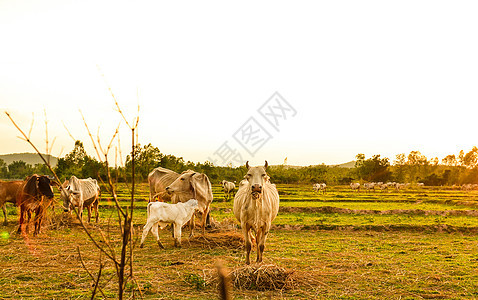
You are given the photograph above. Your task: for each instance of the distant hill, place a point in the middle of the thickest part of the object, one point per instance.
(29, 158)
(350, 164)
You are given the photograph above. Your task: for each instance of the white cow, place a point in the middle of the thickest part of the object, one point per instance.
(162, 214)
(256, 205)
(320, 187)
(382, 186)
(401, 186)
(355, 186)
(228, 188)
(81, 193)
(369, 186)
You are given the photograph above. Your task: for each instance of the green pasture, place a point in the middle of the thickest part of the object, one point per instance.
(411, 244)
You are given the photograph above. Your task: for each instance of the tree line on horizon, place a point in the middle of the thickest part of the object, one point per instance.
(414, 167)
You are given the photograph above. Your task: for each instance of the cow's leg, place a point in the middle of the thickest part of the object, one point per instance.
(38, 220)
(177, 235)
(154, 230)
(208, 218)
(205, 218)
(22, 219)
(80, 212)
(261, 241)
(29, 217)
(4, 208)
(191, 225)
(96, 210)
(88, 208)
(146, 229)
(246, 230)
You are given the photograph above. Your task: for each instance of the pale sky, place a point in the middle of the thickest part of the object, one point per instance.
(373, 77)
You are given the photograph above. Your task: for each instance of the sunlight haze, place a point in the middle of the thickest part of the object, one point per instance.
(368, 77)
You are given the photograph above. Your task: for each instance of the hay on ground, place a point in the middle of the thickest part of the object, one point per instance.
(61, 220)
(223, 226)
(262, 278)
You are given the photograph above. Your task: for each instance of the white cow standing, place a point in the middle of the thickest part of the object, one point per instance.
(256, 205)
(355, 186)
(81, 193)
(369, 186)
(228, 188)
(320, 187)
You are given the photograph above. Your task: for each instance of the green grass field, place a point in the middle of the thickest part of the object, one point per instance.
(412, 244)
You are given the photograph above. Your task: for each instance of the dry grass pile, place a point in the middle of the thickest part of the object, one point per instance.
(225, 225)
(61, 220)
(229, 240)
(263, 278)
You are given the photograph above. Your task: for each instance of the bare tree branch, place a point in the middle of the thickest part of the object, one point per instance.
(31, 126)
(89, 273)
(69, 133)
(27, 139)
(46, 136)
(97, 280)
(91, 136)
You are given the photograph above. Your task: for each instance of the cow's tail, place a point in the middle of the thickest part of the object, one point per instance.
(148, 209)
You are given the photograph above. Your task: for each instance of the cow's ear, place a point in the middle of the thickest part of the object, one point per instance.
(265, 166)
(247, 165)
(193, 186)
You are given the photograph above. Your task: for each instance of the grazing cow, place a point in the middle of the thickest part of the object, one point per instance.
(400, 186)
(355, 186)
(382, 186)
(369, 186)
(163, 214)
(228, 188)
(192, 185)
(320, 187)
(158, 180)
(35, 195)
(256, 205)
(81, 193)
(8, 193)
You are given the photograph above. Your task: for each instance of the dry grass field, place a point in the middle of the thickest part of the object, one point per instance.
(412, 244)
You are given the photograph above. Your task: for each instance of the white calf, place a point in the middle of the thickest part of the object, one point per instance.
(163, 214)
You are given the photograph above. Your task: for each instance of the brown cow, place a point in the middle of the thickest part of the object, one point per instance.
(8, 193)
(35, 196)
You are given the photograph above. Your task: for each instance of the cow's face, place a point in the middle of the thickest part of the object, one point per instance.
(67, 195)
(44, 186)
(256, 177)
(183, 184)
